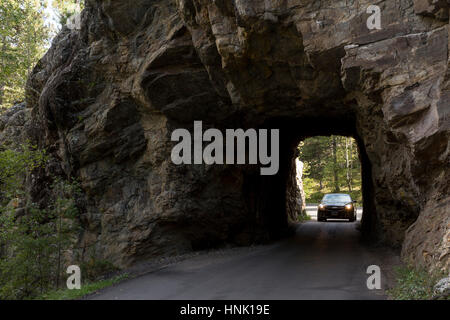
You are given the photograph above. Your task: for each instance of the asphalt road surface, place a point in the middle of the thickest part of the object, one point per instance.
(322, 261)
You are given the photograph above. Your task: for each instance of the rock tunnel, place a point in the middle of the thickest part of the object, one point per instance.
(277, 196)
(107, 96)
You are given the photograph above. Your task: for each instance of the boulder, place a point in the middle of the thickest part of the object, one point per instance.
(442, 288)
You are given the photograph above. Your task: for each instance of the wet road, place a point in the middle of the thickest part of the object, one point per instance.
(322, 261)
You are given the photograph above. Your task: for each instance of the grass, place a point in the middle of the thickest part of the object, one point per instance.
(413, 284)
(303, 217)
(88, 288)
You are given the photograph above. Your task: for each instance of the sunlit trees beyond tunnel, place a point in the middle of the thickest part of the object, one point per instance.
(331, 164)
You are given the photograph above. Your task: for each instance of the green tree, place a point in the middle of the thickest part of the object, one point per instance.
(314, 152)
(25, 34)
(334, 151)
(331, 164)
(349, 159)
(23, 37)
(33, 239)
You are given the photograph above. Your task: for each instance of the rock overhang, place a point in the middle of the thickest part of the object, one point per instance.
(107, 97)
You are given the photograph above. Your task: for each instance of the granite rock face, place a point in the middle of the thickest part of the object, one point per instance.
(105, 100)
(14, 124)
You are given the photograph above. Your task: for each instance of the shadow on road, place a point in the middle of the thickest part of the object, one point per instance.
(321, 261)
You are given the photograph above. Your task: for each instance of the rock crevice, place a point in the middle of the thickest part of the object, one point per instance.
(105, 100)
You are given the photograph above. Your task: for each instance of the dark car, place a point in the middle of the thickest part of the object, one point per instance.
(337, 206)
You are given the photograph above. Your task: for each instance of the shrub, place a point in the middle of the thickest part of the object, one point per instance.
(413, 284)
(97, 269)
(33, 240)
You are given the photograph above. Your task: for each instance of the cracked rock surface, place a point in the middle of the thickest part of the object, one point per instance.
(105, 99)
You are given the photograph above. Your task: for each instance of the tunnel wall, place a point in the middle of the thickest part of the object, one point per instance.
(106, 98)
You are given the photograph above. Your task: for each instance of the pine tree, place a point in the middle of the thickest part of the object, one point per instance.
(330, 165)
(25, 34)
(23, 37)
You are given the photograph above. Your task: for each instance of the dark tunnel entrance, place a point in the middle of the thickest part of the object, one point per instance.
(276, 198)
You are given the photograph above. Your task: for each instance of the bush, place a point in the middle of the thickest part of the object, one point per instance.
(303, 217)
(97, 269)
(34, 241)
(413, 284)
(14, 167)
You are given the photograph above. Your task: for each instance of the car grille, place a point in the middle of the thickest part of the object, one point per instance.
(334, 210)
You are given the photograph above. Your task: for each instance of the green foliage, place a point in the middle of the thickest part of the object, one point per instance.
(94, 269)
(14, 165)
(303, 217)
(86, 289)
(34, 245)
(33, 240)
(23, 38)
(314, 153)
(25, 34)
(331, 164)
(413, 284)
(37, 241)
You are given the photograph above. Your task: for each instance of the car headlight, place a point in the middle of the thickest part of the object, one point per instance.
(348, 206)
(321, 206)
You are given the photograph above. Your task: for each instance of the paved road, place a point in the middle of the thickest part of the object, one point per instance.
(323, 261)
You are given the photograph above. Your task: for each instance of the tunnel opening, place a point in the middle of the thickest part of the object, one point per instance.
(277, 197)
(252, 208)
(328, 165)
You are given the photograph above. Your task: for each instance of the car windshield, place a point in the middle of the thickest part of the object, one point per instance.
(337, 198)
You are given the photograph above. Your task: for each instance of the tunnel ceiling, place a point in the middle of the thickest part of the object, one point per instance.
(106, 98)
